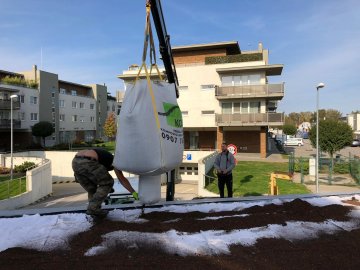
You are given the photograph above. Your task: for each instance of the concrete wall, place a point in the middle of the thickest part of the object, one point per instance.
(205, 165)
(100, 94)
(38, 185)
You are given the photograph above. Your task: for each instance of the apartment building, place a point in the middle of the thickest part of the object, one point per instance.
(225, 95)
(353, 119)
(77, 112)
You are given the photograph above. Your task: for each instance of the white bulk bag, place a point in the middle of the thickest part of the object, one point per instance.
(149, 138)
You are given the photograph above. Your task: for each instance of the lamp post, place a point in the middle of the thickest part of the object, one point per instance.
(320, 85)
(11, 134)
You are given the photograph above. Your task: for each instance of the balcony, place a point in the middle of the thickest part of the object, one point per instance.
(273, 91)
(5, 104)
(6, 124)
(250, 119)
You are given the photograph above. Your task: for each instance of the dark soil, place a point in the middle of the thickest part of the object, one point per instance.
(339, 251)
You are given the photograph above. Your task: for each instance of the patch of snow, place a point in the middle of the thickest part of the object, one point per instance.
(41, 232)
(324, 201)
(218, 242)
(220, 217)
(129, 216)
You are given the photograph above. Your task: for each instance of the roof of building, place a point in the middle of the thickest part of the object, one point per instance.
(11, 73)
(231, 46)
(72, 83)
(270, 70)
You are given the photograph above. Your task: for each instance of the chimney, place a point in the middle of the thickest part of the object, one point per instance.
(35, 72)
(260, 47)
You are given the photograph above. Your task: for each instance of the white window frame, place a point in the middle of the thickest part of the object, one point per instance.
(33, 100)
(22, 116)
(74, 103)
(61, 117)
(74, 93)
(81, 105)
(62, 91)
(61, 103)
(92, 106)
(33, 116)
(74, 118)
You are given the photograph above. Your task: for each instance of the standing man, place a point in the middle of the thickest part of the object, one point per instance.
(224, 164)
(91, 170)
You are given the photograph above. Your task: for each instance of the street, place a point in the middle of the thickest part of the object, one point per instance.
(307, 150)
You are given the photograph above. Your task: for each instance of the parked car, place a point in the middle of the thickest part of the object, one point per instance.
(294, 142)
(355, 143)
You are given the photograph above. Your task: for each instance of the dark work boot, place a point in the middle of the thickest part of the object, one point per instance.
(99, 213)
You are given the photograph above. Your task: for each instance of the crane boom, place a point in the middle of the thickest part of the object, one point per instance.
(164, 43)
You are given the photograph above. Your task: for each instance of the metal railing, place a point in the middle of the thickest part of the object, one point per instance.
(5, 104)
(6, 123)
(246, 91)
(250, 119)
(207, 180)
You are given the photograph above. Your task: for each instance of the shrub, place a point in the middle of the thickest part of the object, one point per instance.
(210, 60)
(305, 166)
(24, 167)
(98, 141)
(341, 168)
(19, 81)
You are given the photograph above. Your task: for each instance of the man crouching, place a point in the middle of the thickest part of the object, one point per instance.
(91, 170)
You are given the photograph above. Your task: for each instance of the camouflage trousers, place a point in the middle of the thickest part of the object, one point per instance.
(95, 179)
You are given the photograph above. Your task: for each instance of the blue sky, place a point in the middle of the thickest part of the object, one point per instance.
(92, 41)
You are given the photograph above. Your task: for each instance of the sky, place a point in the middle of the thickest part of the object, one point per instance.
(92, 41)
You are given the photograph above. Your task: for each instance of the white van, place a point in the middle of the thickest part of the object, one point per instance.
(294, 142)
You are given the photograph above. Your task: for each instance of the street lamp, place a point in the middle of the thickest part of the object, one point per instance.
(320, 85)
(11, 134)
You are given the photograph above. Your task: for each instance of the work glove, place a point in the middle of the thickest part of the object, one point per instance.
(135, 195)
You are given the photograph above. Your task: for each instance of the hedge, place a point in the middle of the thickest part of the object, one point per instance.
(211, 60)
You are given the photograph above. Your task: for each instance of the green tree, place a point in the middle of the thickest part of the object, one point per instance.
(289, 129)
(110, 126)
(329, 114)
(333, 136)
(42, 129)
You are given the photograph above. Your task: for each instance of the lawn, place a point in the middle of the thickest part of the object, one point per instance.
(109, 146)
(252, 179)
(13, 186)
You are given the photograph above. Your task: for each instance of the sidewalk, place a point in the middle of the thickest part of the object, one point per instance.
(340, 183)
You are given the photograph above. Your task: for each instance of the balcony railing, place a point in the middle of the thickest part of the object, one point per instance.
(250, 119)
(6, 123)
(5, 104)
(250, 91)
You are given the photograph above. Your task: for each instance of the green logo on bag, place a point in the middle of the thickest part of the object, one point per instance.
(173, 115)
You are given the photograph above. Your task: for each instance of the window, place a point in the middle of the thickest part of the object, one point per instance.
(33, 100)
(62, 91)
(227, 108)
(183, 87)
(185, 113)
(33, 116)
(207, 87)
(73, 93)
(244, 107)
(81, 105)
(22, 115)
(254, 79)
(240, 80)
(61, 103)
(22, 98)
(62, 117)
(255, 107)
(207, 112)
(52, 94)
(226, 80)
(92, 118)
(73, 104)
(92, 106)
(236, 107)
(108, 108)
(74, 118)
